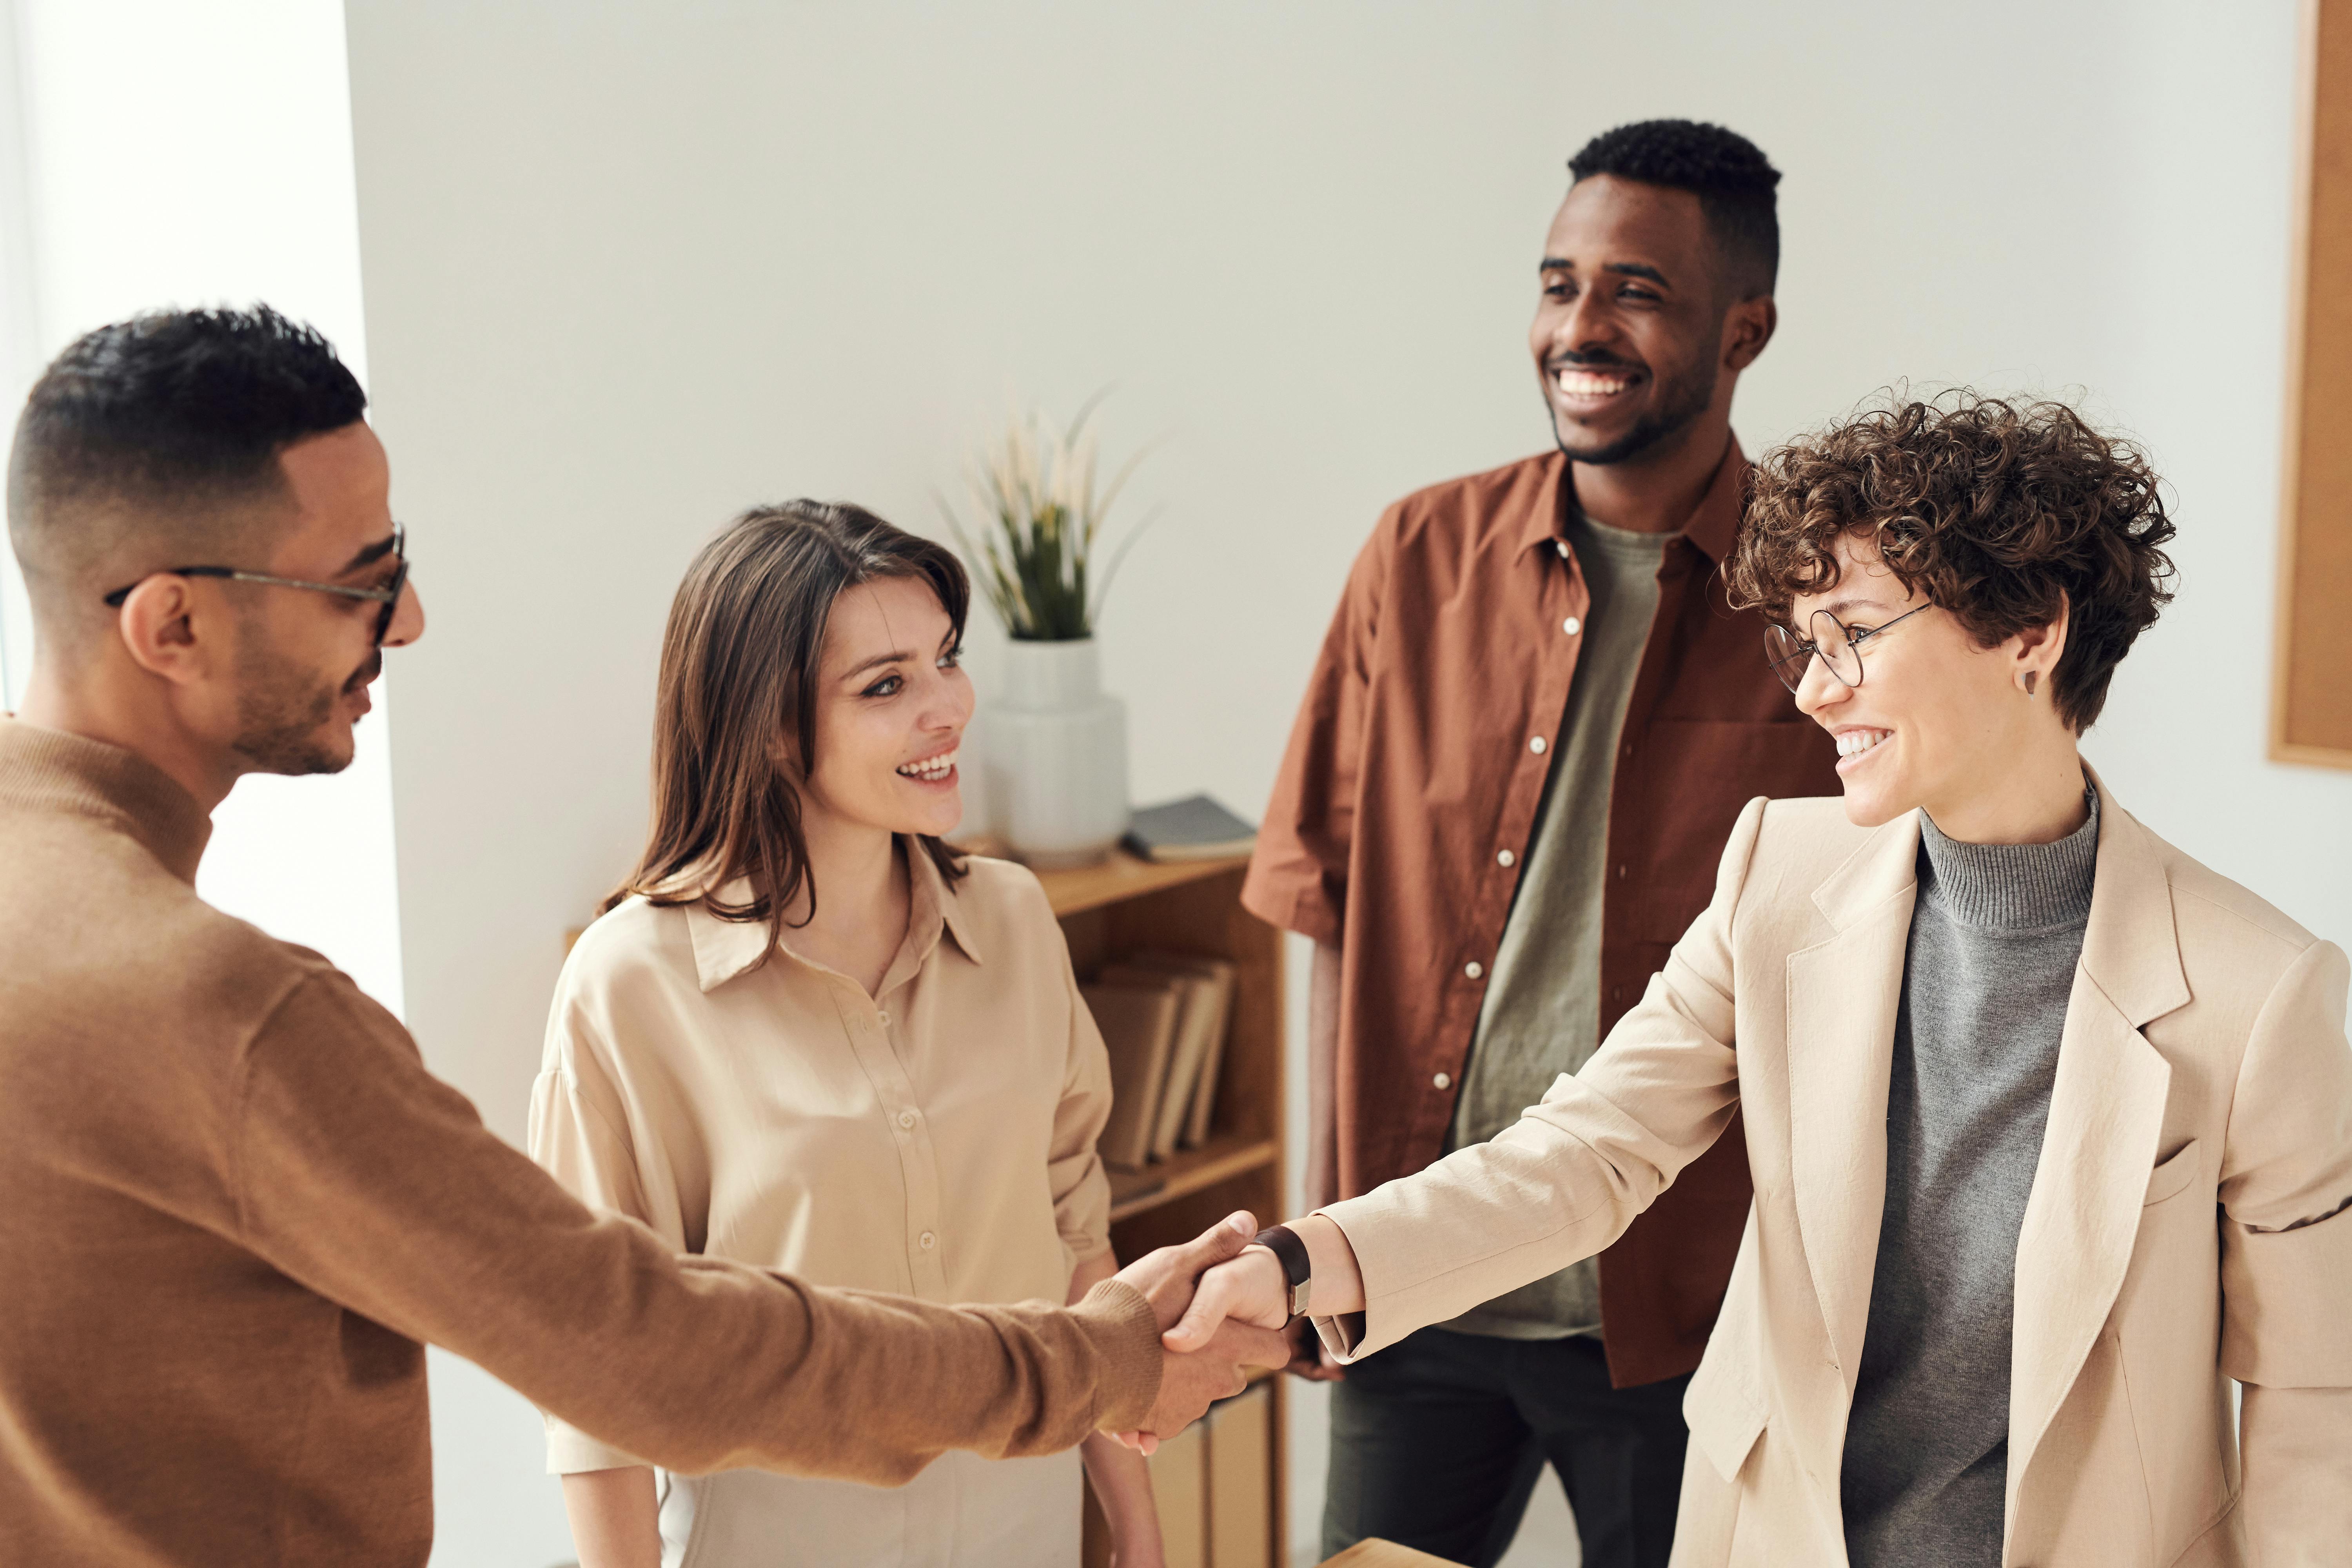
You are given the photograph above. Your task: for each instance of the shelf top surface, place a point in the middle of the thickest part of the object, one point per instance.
(1124, 876)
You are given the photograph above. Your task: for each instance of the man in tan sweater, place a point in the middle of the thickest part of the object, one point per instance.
(233, 1206)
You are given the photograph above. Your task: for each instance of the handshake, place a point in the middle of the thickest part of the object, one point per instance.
(1222, 1306)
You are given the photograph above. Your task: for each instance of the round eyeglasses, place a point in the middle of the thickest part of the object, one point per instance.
(1838, 646)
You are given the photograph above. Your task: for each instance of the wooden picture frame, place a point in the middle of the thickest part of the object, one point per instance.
(2311, 685)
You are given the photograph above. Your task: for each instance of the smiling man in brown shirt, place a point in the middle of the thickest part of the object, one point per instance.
(1531, 727)
(233, 1204)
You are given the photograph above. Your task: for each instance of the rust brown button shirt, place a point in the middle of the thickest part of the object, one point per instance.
(1418, 760)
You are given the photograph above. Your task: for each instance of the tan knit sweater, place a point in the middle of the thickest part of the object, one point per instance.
(233, 1206)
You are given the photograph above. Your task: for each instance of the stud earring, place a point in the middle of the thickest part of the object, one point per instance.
(2030, 677)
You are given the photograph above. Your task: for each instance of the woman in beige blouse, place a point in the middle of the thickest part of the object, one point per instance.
(806, 1035)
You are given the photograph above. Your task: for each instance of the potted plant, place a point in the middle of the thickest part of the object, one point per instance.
(1056, 761)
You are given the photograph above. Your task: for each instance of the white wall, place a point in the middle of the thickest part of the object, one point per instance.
(632, 266)
(170, 154)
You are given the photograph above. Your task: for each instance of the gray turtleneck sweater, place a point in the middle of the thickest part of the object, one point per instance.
(1995, 935)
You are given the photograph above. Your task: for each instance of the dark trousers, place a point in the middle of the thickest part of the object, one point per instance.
(1437, 1443)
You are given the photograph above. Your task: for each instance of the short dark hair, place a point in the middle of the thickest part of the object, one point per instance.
(2001, 512)
(1729, 174)
(160, 423)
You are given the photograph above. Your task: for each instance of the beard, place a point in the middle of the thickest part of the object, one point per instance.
(1680, 402)
(285, 715)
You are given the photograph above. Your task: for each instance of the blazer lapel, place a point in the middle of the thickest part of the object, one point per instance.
(2106, 1115)
(1843, 998)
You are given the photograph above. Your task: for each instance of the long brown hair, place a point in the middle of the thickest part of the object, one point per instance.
(738, 669)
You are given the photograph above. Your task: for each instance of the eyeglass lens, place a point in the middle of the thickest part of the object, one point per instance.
(1831, 641)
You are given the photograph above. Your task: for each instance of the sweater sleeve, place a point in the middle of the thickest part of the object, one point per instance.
(364, 1178)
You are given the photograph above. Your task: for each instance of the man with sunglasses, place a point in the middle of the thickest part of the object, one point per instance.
(233, 1206)
(1533, 723)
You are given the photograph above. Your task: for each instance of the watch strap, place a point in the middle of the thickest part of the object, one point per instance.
(1291, 1252)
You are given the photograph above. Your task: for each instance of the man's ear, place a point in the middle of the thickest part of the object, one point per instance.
(1747, 326)
(168, 633)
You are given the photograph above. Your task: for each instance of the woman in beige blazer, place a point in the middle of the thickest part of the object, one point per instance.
(2050, 1127)
(805, 1036)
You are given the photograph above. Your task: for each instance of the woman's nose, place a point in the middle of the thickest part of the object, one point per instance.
(1817, 689)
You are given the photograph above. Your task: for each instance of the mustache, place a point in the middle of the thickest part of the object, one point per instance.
(365, 673)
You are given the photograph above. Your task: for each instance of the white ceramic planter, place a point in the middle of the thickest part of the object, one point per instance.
(1056, 756)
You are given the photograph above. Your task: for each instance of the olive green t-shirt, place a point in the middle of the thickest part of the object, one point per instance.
(1541, 1015)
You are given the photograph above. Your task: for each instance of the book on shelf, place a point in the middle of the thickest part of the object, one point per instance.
(1201, 1046)
(1137, 1022)
(1194, 828)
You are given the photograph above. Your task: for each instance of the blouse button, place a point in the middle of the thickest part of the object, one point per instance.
(1474, 969)
(907, 1119)
(1536, 744)
(1505, 858)
(1571, 625)
(1560, 545)
(1443, 1080)
(928, 1241)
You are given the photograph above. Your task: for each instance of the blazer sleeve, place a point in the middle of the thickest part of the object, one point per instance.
(2286, 1264)
(1571, 1174)
(1298, 873)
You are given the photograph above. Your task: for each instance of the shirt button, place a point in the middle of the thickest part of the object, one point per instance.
(907, 1119)
(927, 1241)
(1504, 858)
(1560, 545)
(1444, 1080)
(1474, 969)
(885, 1019)
(1535, 743)
(1571, 625)
(1621, 872)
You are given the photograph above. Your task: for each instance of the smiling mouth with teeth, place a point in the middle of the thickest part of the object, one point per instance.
(930, 770)
(1574, 381)
(1853, 742)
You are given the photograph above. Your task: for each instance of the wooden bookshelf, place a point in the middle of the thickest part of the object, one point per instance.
(1125, 906)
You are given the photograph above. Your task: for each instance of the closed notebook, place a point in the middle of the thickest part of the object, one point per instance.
(1194, 828)
(1215, 1022)
(1139, 1030)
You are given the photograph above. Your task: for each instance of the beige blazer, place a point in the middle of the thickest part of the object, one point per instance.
(2183, 1229)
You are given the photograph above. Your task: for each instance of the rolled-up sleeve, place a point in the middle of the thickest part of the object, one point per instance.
(1298, 873)
(581, 1148)
(1074, 1170)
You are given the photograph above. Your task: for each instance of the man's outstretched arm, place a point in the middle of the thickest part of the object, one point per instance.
(375, 1185)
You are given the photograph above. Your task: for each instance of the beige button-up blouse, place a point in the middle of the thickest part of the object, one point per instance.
(936, 1140)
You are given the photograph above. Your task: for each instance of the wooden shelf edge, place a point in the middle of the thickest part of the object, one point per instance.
(1138, 1192)
(1122, 876)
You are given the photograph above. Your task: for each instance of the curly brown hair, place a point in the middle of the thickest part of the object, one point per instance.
(2001, 512)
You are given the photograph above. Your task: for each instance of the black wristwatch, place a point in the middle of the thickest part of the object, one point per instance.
(1284, 1243)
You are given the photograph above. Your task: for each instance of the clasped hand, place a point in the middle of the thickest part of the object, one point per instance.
(1219, 1310)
